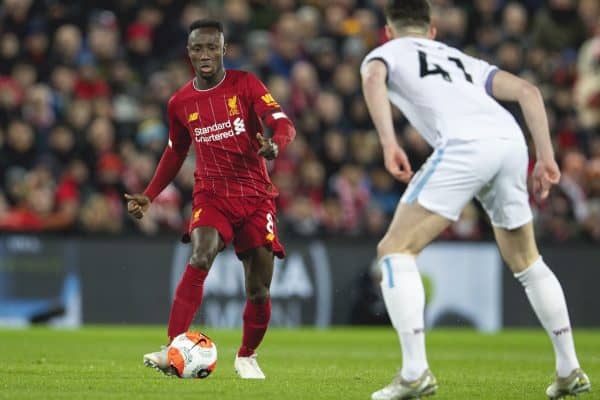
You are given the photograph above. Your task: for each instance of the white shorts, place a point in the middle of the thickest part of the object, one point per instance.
(493, 170)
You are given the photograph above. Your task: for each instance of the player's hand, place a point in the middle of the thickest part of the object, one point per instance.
(545, 174)
(268, 148)
(137, 204)
(397, 164)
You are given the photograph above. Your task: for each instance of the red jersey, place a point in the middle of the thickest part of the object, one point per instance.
(222, 123)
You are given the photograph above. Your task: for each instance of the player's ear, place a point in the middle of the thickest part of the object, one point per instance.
(225, 49)
(389, 34)
(431, 32)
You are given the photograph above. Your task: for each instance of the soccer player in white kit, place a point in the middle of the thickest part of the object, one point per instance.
(480, 151)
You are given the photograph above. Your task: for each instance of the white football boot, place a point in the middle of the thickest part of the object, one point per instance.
(401, 389)
(247, 367)
(577, 382)
(159, 361)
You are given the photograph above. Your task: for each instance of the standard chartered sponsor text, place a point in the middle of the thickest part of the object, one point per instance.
(215, 137)
(218, 127)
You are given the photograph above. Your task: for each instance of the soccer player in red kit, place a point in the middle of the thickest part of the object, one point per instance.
(221, 112)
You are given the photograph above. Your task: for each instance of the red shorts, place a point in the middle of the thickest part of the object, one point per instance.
(247, 221)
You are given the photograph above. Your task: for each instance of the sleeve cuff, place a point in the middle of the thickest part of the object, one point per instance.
(387, 66)
(489, 80)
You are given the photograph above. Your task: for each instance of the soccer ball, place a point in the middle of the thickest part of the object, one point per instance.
(192, 355)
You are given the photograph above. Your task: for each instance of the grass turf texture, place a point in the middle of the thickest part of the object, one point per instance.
(344, 363)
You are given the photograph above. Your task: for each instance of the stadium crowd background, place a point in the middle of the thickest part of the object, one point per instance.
(84, 85)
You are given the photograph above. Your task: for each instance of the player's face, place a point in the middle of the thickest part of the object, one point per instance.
(205, 49)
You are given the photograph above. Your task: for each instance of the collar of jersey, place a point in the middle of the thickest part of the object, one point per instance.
(207, 90)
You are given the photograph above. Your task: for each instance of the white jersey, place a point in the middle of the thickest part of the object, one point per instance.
(444, 93)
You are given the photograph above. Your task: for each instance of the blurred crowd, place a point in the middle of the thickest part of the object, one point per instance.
(84, 86)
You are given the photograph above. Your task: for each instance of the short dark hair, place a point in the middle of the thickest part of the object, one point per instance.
(206, 23)
(408, 12)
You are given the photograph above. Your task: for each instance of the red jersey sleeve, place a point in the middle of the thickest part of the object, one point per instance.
(179, 139)
(269, 111)
(173, 156)
(262, 100)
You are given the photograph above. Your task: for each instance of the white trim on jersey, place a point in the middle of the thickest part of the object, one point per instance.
(209, 89)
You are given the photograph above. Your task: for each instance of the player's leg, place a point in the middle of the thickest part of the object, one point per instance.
(506, 201)
(258, 270)
(519, 250)
(256, 243)
(412, 228)
(210, 231)
(435, 197)
(545, 294)
(206, 242)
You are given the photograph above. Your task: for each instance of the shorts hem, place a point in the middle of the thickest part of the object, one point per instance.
(512, 226)
(431, 207)
(226, 242)
(278, 253)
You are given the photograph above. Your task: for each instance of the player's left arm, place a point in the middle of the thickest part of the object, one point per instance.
(508, 87)
(374, 75)
(267, 108)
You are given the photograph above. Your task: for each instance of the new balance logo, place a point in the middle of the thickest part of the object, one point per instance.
(561, 331)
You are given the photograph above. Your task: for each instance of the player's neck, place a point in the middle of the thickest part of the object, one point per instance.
(209, 83)
(411, 33)
(415, 31)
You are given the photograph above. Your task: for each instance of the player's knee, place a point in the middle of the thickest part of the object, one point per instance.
(519, 262)
(201, 260)
(382, 248)
(388, 246)
(258, 294)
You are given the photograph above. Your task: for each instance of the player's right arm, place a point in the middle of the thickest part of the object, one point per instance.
(168, 166)
(374, 75)
(269, 111)
(508, 87)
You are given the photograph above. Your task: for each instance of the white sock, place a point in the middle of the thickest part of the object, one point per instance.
(405, 302)
(548, 301)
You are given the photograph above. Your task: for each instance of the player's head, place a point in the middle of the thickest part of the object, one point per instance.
(409, 17)
(206, 47)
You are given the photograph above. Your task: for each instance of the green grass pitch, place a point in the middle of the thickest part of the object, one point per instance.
(344, 363)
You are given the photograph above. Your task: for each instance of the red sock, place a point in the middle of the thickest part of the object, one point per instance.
(188, 298)
(256, 319)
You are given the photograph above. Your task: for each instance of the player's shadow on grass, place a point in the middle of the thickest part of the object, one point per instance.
(453, 319)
